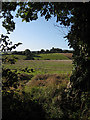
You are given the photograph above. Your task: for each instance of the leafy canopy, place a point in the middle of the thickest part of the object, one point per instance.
(74, 14)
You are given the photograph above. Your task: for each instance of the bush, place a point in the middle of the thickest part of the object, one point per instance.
(17, 107)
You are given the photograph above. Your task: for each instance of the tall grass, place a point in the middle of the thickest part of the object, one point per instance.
(46, 90)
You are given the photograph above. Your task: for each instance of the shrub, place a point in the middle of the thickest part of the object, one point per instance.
(17, 107)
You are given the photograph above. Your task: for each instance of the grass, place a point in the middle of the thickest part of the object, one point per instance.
(42, 66)
(20, 57)
(69, 55)
(46, 90)
(41, 91)
(41, 83)
(48, 80)
(51, 56)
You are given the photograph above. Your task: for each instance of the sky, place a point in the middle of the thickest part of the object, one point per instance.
(38, 34)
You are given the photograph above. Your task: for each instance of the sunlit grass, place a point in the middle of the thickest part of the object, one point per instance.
(43, 66)
(51, 56)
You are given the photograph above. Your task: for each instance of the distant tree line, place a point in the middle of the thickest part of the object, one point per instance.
(52, 50)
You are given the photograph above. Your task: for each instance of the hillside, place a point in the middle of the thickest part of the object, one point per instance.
(52, 56)
(49, 56)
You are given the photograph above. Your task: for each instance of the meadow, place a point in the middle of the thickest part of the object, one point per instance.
(51, 56)
(42, 66)
(40, 84)
(43, 63)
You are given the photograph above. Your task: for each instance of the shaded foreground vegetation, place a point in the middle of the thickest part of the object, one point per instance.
(32, 97)
(37, 89)
(75, 101)
(41, 97)
(32, 90)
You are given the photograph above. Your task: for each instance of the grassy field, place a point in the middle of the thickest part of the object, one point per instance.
(51, 56)
(40, 86)
(20, 57)
(69, 55)
(42, 66)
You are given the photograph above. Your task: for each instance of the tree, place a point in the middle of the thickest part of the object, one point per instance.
(29, 55)
(55, 50)
(47, 51)
(42, 51)
(52, 50)
(72, 14)
(27, 52)
(9, 24)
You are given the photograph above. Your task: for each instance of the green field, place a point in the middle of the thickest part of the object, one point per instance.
(20, 57)
(40, 82)
(51, 56)
(43, 66)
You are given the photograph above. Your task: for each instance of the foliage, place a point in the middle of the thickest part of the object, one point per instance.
(37, 103)
(53, 50)
(75, 106)
(46, 89)
(19, 107)
(18, 57)
(27, 51)
(18, 52)
(5, 44)
(28, 54)
(10, 79)
(9, 60)
(72, 14)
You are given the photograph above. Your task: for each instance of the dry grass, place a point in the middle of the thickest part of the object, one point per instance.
(69, 55)
(47, 90)
(48, 80)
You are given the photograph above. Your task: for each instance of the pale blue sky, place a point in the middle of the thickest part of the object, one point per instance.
(38, 34)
